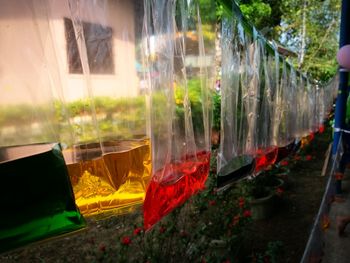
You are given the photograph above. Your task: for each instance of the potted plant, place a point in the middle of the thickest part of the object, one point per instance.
(260, 193)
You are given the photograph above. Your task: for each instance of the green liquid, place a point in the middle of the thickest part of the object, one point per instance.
(36, 198)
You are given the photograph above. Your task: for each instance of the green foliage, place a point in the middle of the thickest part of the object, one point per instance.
(254, 188)
(272, 254)
(261, 185)
(264, 14)
(196, 104)
(256, 11)
(215, 233)
(321, 35)
(114, 117)
(216, 111)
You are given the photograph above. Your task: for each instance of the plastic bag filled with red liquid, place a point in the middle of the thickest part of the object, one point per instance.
(180, 72)
(171, 189)
(265, 157)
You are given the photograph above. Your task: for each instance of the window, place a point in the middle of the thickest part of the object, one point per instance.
(98, 41)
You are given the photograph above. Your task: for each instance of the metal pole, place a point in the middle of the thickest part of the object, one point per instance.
(340, 107)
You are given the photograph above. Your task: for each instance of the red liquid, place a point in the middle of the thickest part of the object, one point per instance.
(265, 157)
(311, 136)
(321, 128)
(173, 185)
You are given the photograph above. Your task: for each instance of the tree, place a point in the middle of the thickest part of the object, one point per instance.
(264, 14)
(310, 28)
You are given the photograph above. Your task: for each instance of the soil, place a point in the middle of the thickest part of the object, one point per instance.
(290, 224)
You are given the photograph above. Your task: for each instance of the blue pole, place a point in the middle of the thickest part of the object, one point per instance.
(340, 107)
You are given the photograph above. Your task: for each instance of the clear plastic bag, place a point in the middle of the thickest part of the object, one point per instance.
(232, 155)
(179, 52)
(36, 201)
(248, 109)
(103, 95)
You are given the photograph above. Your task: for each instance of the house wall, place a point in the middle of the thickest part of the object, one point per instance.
(34, 64)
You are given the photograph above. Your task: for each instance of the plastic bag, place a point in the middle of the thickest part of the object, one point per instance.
(103, 103)
(36, 201)
(248, 91)
(267, 151)
(179, 58)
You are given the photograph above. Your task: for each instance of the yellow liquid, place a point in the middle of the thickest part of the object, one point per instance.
(113, 183)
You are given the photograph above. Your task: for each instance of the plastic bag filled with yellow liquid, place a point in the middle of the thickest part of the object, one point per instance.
(36, 198)
(102, 102)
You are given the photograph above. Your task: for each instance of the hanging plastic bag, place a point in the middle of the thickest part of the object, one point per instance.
(233, 160)
(248, 86)
(179, 56)
(36, 199)
(286, 140)
(102, 103)
(267, 150)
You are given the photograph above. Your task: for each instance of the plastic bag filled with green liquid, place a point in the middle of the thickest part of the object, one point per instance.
(36, 197)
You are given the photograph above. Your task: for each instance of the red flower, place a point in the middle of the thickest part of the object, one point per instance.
(266, 259)
(339, 176)
(321, 129)
(297, 157)
(137, 231)
(241, 202)
(126, 241)
(236, 220)
(247, 213)
(102, 248)
(91, 240)
(311, 136)
(212, 202)
(226, 261)
(183, 233)
(162, 229)
(279, 191)
(284, 163)
(308, 157)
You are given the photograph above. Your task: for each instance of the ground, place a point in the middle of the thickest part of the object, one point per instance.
(293, 220)
(289, 227)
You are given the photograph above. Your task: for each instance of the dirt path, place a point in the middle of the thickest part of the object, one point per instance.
(292, 222)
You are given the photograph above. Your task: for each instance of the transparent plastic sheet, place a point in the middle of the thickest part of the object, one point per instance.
(248, 109)
(292, 102)
(233, 159)
(284, 106)
(306, 115)
(314, 108)
(102, 102)
(329, 93)
(267, 106)
(311, 107)
(300, 106)
(320, 108)
(179, 48)
(36, 199)
(267, 147)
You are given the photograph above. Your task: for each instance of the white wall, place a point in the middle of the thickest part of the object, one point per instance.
(33, 53)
